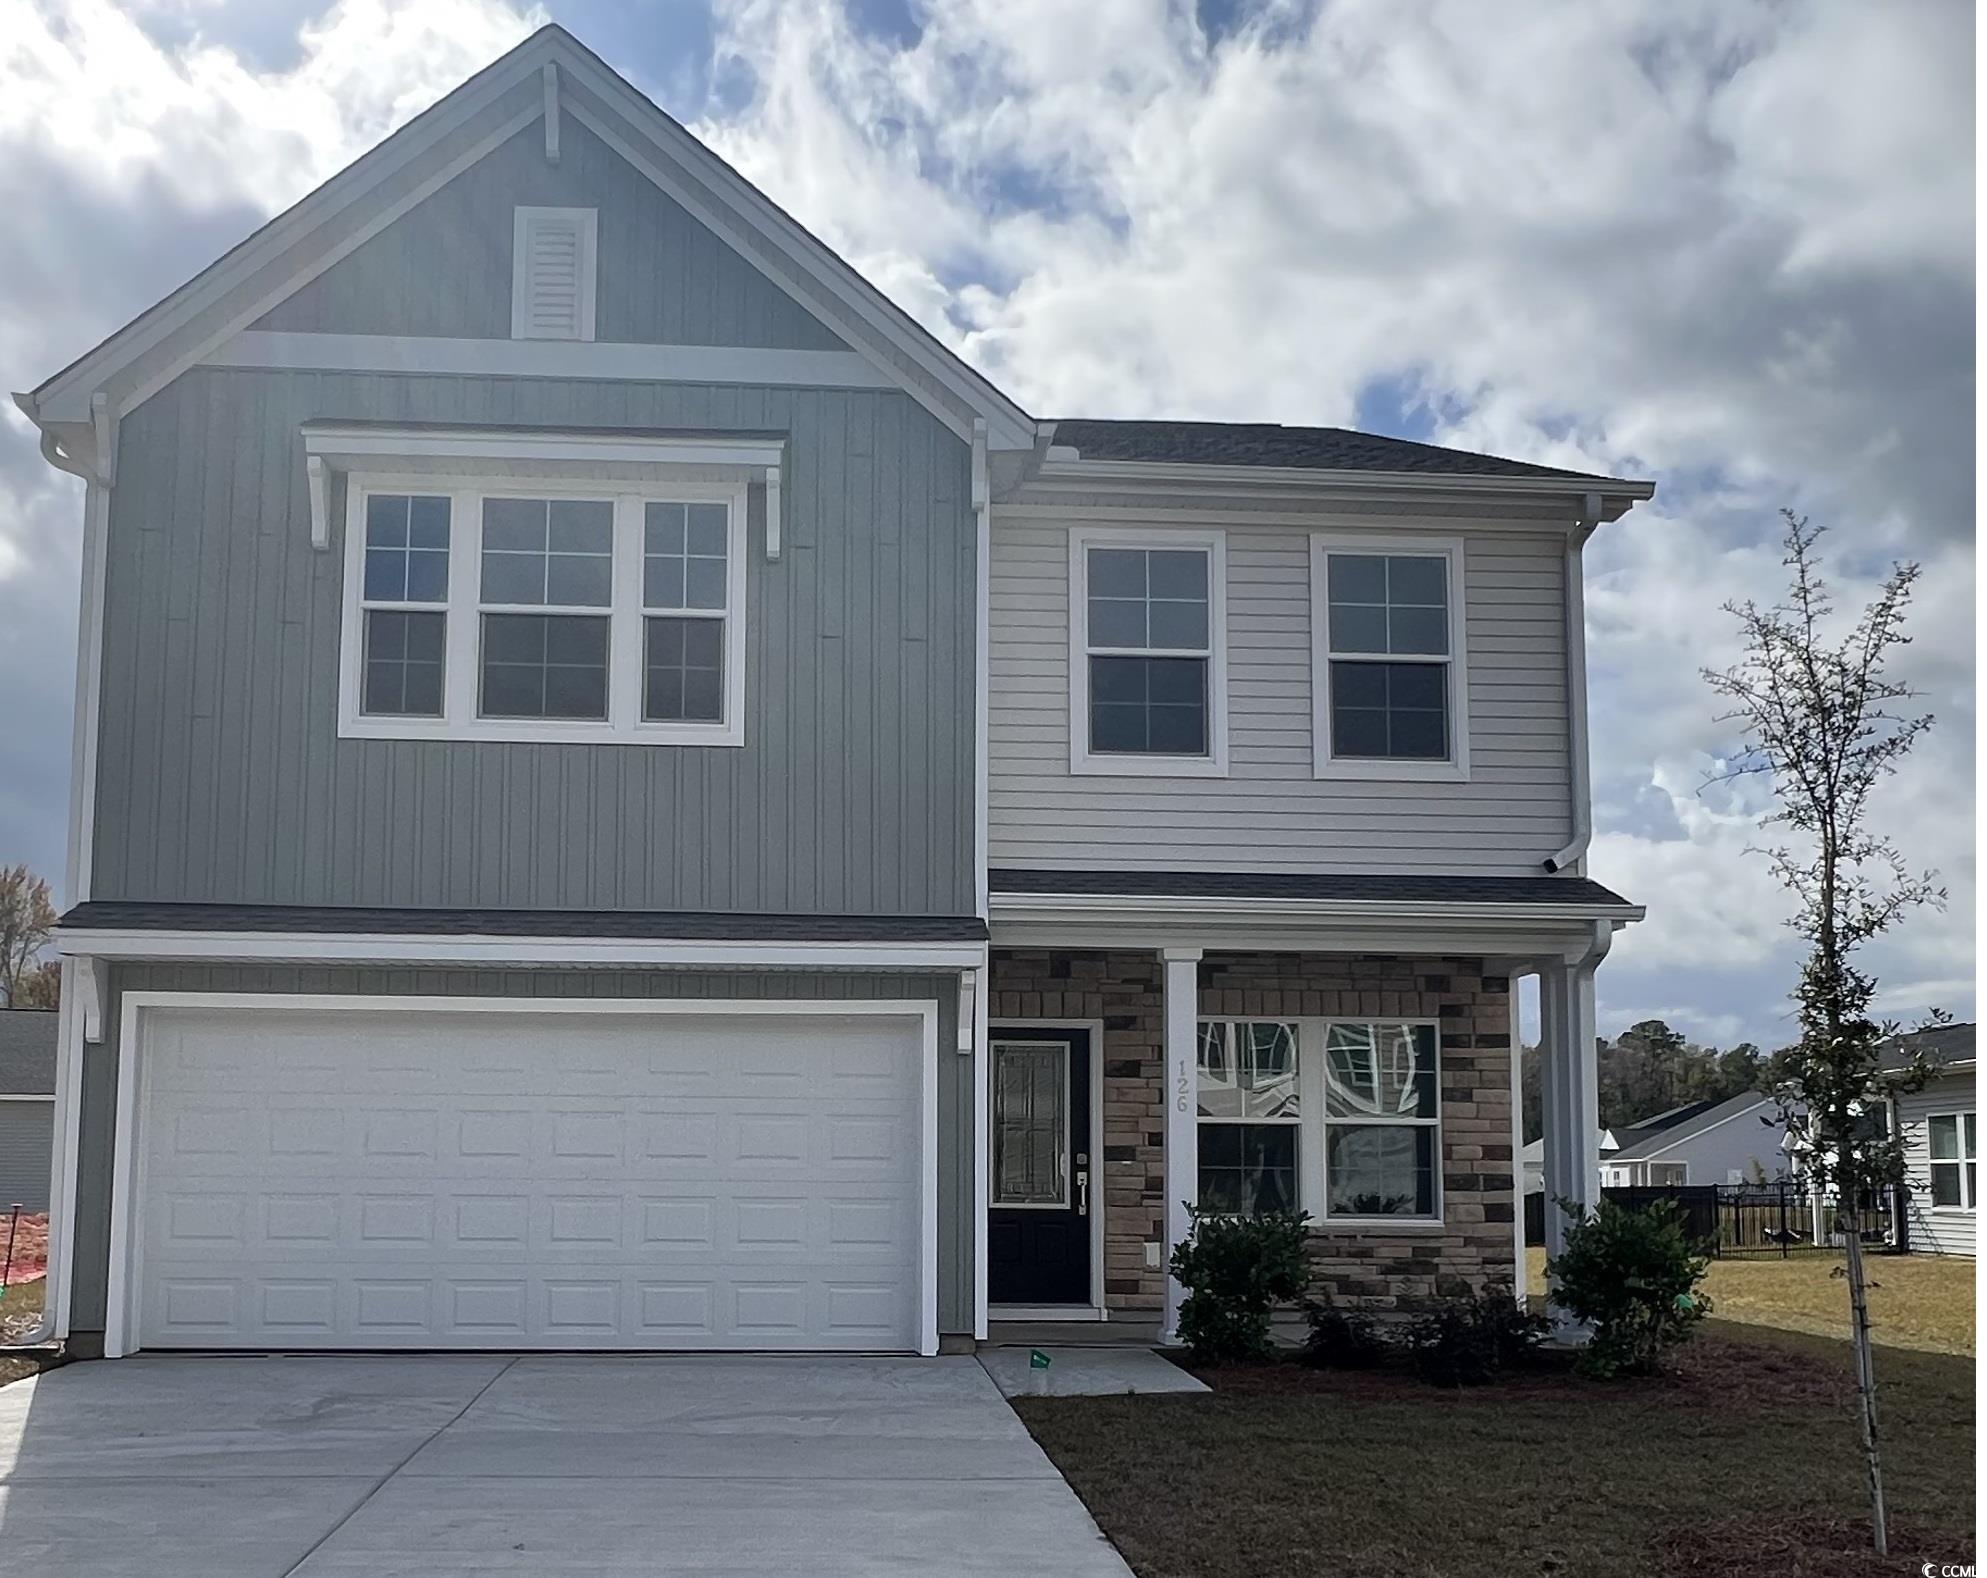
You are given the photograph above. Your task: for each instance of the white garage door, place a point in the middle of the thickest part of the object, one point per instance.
(372, 1178)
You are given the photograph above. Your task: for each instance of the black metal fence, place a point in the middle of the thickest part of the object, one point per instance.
(1732, 1220)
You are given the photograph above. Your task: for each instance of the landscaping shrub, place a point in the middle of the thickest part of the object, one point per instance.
(1474, 1339)
(1634, 1275)
(1342, 1340)
(1236, 1269)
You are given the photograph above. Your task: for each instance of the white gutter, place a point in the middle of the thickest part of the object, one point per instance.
(1580, 776)
(1147, 907)
(1077, 472)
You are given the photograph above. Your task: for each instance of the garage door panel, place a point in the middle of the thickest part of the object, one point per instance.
(736, 1182)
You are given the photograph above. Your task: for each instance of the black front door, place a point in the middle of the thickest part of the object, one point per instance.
(1038, 1205)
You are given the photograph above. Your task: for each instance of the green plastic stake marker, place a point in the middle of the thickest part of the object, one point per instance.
(1037, 1360)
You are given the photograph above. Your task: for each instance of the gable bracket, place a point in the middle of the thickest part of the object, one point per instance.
(319, 482)
(772, 514)
(551, 79)
(90, 994)
(104, 420)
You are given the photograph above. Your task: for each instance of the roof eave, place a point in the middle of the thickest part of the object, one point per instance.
(1617, 494)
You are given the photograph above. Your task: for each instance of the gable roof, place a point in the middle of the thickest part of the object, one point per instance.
(27, 1051)
(553, 69)
(1682, 1124)
(1944, 1046)
(1298, 448)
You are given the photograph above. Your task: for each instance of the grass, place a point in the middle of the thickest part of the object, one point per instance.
(1746, 1463)
(1916, 1301)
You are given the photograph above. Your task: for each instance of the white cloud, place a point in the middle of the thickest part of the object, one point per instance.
(1724, 242)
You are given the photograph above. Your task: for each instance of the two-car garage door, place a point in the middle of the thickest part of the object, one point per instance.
(369, 1177)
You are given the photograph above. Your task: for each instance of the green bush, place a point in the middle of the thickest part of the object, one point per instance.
(1343, 1340)
(1634, 1275)
(1475, 1339)
(1236, 1269)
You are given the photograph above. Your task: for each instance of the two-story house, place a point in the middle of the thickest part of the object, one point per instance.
(624, 797)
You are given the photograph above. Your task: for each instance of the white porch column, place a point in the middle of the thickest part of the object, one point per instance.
(1570, 1088)
(1182, 999)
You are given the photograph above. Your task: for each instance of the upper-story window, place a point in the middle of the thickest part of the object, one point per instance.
(544, 612)
(1148, 673)
(1389, 696)
(552, 273)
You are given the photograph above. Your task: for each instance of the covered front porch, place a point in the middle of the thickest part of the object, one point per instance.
(1306, 1043)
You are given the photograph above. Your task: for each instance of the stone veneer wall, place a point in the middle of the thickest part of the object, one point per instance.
(1370, 1269)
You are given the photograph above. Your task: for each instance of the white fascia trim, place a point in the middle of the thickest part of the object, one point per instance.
(121, 1314)
(68, 391)
(1086, 475)
(520, 952)
(713, 192)
(49, 1097)
(352, 447)
(290, 350)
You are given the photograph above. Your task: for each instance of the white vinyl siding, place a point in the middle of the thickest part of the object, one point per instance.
(552, 273)
(1271, 813)
(1936, 1230)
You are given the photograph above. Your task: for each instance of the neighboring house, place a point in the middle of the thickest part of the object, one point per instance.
(1735, 1141)
(1533, 1159)
(627, 798)
(27, 1107)
(1940, 1142)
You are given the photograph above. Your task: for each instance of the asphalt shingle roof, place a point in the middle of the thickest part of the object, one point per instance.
(1941, 1044)
(107, 915)
(27, 1051)
(1704, 1116)
(1412, 888)
(1272, 444)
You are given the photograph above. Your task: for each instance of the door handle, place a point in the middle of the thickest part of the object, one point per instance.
(1083, 1191)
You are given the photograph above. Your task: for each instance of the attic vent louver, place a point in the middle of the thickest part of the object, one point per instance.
(552, 274)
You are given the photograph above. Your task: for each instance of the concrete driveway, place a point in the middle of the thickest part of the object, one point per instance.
(445, 1466)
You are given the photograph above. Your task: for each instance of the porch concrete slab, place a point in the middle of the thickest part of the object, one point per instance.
(187, 1417)
(236, 1527)
(617, 1528)
(1085, 1372)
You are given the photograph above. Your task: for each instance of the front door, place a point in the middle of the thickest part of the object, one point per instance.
(1039, 1202)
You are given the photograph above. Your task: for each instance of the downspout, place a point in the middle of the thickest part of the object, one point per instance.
(982, 497)
(1580, 784)
(78, 980)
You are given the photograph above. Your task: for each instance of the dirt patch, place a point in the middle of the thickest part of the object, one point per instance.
(1799, 1547)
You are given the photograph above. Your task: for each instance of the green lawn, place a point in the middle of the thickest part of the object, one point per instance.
(1916, 1301)
(1746, 1464)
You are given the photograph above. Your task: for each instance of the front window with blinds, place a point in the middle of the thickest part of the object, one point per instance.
(1950, 1138)
(545, 613)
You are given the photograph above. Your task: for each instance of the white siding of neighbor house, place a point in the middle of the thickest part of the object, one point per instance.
(1932, 1229)
(1270, 813)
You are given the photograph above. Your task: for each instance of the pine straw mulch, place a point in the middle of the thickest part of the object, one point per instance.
(1791, 1545)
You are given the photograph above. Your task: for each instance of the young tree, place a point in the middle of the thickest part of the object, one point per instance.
(1821, 718)
(27, 919)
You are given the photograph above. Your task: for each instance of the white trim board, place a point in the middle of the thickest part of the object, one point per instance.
(669, 156)
(120, 1310)
(517, 952)
(292, 350)
(49, 1097)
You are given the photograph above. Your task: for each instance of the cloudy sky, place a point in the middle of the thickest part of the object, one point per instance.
(1726, 245)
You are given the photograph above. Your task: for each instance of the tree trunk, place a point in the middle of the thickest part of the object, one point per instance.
(1866, 1376)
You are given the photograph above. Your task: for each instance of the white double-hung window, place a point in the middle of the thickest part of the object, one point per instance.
(1950, 1140)
(1390, 698)
(555, 610)
(1340, 1118)
(1148, 662)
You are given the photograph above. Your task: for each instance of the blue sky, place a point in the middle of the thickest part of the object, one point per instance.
(1727, 244)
